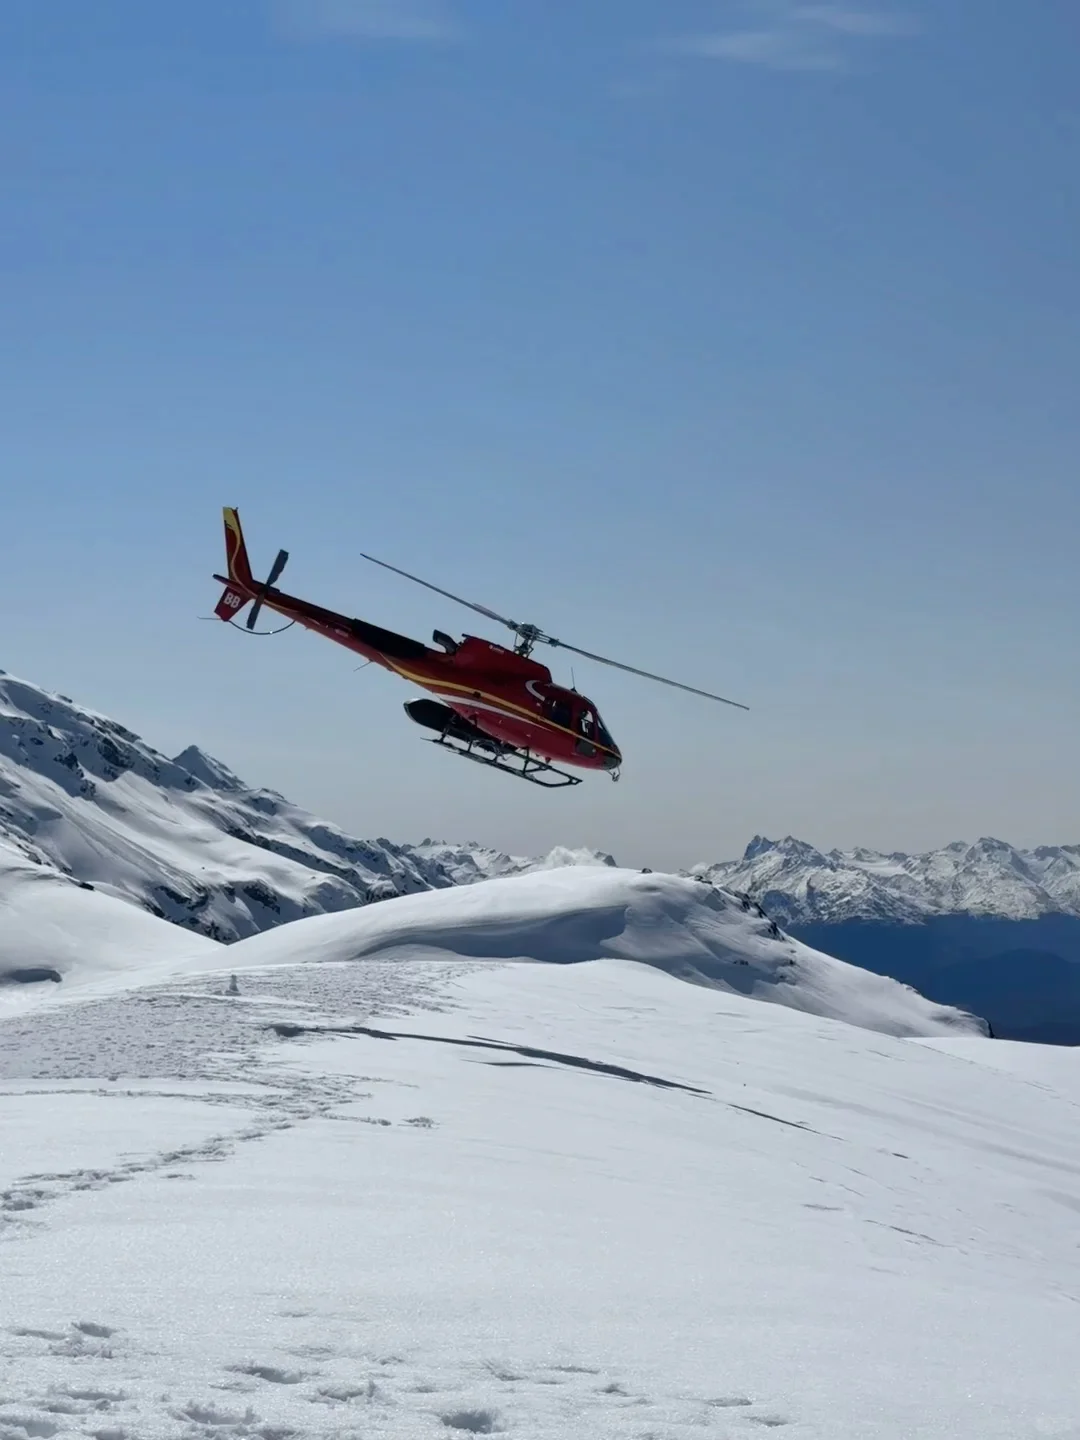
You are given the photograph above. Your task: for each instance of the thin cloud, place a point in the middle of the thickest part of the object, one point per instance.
(410, 21)
(847, 21)
(792, 36)
(777, 49)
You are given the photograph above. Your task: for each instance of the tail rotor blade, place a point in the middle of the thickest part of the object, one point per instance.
(277, 567)
(275, 570)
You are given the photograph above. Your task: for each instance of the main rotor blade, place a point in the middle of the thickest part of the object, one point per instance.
(647, 674)
(480, 609)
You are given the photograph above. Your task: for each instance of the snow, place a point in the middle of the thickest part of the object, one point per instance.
(1055, 1066)
(566, 1201)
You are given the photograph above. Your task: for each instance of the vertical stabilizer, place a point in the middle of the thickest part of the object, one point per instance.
(236, 556)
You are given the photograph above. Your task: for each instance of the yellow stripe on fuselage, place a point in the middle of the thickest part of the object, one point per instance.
(498, 700)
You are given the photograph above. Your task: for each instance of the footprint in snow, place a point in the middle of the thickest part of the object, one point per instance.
(65, 1400)
(31, 1425)
(273, 1374)
(475, 1422)
(345, 1393)
(502, 1372)
(211, 1415)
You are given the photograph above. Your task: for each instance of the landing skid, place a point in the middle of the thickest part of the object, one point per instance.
(519, 763)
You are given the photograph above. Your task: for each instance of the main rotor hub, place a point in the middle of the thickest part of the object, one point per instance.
(528, 637)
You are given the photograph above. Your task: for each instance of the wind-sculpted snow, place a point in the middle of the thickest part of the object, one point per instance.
(799, 884)
(572, 915)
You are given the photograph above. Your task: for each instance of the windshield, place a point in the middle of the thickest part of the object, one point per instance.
(592, 727)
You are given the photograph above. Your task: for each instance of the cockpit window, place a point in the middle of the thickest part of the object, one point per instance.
(581, 718)
(559, 711)
(602, 733)
(593, 728)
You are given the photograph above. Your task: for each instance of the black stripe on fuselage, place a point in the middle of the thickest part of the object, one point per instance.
(400, 647)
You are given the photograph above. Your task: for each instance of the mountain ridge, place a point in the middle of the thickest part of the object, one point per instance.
(799, 884)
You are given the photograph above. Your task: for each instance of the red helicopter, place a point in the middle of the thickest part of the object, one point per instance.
(497, 706)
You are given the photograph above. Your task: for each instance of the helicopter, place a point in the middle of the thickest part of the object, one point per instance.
(496, 705)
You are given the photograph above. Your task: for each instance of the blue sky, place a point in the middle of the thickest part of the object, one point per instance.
(738, 341)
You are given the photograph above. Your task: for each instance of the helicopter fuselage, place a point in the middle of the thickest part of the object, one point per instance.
(508, 697)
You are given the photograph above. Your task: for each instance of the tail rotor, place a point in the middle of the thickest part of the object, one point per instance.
(268, 584)
(240, 585)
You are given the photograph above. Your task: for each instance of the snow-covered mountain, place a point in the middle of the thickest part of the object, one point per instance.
(184, 838)
(798, 884)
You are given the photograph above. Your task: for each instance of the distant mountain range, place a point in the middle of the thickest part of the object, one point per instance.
(801, 885)
(989, 927)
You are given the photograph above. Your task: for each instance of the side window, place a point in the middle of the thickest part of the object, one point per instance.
(559, 711)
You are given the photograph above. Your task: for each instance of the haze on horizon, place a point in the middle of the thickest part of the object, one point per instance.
(735, 341)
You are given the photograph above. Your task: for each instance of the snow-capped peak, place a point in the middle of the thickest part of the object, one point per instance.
(205, 768)
(788, 850)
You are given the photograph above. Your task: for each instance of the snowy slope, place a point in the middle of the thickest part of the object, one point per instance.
(564, 916)
(56, 931)
(799, 884)
(565, 1201)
